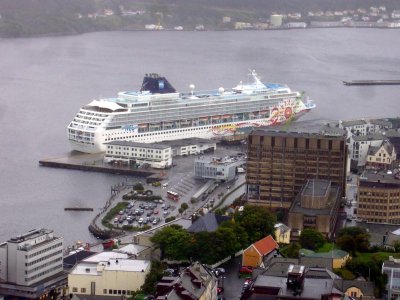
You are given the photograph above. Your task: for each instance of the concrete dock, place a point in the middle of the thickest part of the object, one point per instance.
(93, 163)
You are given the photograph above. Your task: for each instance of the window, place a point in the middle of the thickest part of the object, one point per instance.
(83, 290)
(105, 291)
(74, 289)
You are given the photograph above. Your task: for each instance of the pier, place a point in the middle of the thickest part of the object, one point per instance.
(93, 163)
(372, 82)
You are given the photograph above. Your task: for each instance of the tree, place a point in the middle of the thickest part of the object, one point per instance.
(291, 250)
(240, 233)
(311, 239)
(257, 221)
(184, 206)
(353, 239)
(174, 242)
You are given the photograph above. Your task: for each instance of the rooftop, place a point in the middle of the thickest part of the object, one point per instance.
(353, 123)
(105, 256)
(320, 133)
(334, 196)
(125, 265)
(335, 253)
(370, 179)
(316, 187)
(32, 234)
(209, 222)
(266, 245)
(314, 288)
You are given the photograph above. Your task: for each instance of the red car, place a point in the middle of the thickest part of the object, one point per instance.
(156, 212)
(246, 270)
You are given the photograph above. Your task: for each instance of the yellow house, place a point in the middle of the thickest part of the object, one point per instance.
(108, 274)
(336, 258)
(282, 233)
(253, 255)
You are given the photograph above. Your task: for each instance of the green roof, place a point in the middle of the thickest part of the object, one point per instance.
(336, 253)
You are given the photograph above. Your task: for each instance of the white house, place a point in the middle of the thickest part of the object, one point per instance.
(381, 157)
(359, 145)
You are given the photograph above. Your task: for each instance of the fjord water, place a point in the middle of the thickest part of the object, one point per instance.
(44, 81)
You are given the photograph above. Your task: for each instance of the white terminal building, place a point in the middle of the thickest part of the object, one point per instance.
(220, 169)
(157, 155)
(108, 274)
(30, 263)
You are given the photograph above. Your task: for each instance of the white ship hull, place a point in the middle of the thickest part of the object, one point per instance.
(206, 132)
(155, 117)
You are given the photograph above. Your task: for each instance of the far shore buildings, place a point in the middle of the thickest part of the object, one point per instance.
(280, 163)
(31, 265)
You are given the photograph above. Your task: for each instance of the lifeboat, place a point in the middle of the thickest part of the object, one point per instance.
(142, 125)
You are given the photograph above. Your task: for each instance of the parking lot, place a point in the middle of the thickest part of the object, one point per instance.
(179, 179)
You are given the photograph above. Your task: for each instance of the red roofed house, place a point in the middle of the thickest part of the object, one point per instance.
(254, 255)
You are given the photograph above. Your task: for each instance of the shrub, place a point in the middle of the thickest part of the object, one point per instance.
(138, 187)
(169, 219)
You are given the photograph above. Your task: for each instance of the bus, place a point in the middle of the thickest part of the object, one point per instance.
(172, 195)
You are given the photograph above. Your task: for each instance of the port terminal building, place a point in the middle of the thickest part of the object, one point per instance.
(219, 169)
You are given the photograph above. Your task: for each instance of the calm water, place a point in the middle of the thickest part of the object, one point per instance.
(44, 82)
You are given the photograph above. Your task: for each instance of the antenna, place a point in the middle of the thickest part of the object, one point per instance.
(191, 87)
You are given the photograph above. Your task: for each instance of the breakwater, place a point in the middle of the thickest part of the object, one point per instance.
(372, 82)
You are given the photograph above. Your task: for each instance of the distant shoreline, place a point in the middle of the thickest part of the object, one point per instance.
(194, 30)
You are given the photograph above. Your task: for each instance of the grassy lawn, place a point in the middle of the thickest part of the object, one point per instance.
(378, 256)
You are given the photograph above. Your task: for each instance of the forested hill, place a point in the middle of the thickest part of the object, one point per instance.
(51, 17)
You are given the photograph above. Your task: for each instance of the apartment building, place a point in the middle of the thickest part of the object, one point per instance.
(31, 264)
(379, 197)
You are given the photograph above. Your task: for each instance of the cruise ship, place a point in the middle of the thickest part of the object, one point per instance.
(157, 112)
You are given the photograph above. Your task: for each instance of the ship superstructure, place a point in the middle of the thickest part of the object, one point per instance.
(157, 112)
